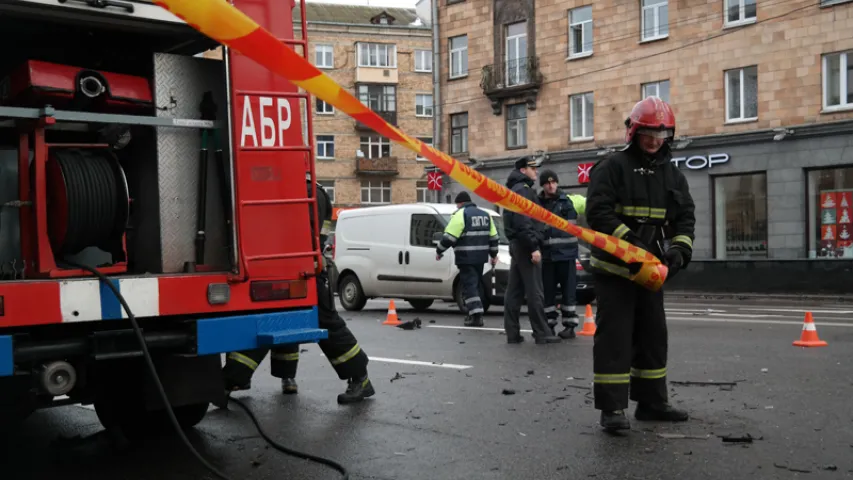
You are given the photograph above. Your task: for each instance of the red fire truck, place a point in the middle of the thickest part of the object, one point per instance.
(187, 181)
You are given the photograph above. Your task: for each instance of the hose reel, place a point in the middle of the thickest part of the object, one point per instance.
(88, 202)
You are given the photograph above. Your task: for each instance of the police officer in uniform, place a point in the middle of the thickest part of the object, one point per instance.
(474, 238)
(559, 254)
(525, 270)
(637, 195)
(341, 347)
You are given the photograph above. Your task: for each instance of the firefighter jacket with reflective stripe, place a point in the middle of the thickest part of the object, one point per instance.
(472, 234)
(520, 229)
(631, 198)
(559, 245)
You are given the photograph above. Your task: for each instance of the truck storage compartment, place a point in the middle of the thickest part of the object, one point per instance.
(110, 132)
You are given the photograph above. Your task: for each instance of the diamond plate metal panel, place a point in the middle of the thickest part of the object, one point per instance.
(179, 84)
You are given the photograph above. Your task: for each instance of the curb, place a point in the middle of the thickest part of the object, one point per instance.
(789, 297)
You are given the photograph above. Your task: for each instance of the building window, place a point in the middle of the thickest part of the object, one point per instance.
(516, 126)
(742, 94)
(375, 146)
(324, 108)
(426, 140)
(324, 56)
(424, 227)
(580, 31)
(423, 61)
(739, 12)
(325, 146)
(329, 187)
(740, 212)
(581, 115)
(830, 198)
(459, 56)
(459, 133)
(655, 23)
(379, 98)
(423, 105)
(516, 54)
(657, 89)
(838, 80)
(424, 194)
(375, 191)
(377, 55)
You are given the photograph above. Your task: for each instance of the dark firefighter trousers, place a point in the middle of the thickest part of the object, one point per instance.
(341, 348)
(471, 276)
(564, 274)
(630, 344)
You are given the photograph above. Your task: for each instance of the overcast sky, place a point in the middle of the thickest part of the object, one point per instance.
(373, 3)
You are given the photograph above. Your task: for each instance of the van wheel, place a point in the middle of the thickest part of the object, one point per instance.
(420, 304)
(585, 298)
(460, 299)
(351, 294)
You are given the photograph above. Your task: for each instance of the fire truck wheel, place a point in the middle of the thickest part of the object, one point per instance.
(351, 294)
(190, 415)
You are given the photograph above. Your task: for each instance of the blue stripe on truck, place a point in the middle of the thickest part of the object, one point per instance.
(7, 362)
(247, 332)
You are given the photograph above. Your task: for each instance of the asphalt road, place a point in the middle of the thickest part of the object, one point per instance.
(440, 413)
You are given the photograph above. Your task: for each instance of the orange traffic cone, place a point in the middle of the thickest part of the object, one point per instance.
(392, 316)
(809, 336)
(588, 323)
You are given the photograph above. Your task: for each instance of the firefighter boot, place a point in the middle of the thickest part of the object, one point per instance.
(614, 420)
(478, 320)
(288, 386)
(357, 390)
(469, 321)
(552, 324)
(569, 324)
(659, 412)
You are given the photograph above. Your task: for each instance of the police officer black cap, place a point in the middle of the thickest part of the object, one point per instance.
(527, 161)
(462, 197)
(548, 176)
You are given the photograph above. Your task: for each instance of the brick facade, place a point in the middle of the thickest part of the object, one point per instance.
(786, 43)
(342, 168)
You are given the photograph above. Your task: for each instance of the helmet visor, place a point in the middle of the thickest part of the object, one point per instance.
(666, 133)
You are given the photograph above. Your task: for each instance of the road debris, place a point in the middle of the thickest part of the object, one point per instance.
(580, 387)
(410, 325)
(739, 439)
(508, 391)
(530, 372)
(727, 386)
(397, 377)
(791, 469)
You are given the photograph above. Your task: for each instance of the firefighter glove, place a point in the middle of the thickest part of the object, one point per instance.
(674, 261)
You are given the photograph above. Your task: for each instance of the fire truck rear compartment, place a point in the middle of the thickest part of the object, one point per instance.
(122, 191)
(120, 184)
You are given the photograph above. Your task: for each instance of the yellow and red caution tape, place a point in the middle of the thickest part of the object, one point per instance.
(226, 24)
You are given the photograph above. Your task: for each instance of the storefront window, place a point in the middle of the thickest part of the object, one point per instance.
(740, 210)
(830, 213)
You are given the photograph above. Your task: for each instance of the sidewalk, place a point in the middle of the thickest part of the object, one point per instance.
(790, 297)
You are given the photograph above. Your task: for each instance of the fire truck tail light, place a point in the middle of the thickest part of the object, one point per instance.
(278, 290)
(218, 293)
(2, 310)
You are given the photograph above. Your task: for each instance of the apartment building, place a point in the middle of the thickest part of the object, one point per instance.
(762, 91)
(383, 56)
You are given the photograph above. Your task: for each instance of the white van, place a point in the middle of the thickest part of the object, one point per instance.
(389, 251)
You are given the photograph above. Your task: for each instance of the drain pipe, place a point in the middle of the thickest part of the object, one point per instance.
(436, 84)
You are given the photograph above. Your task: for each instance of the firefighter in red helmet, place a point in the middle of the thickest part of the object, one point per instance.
(637, 194)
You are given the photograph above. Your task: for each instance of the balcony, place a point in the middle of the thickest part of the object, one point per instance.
(390, 117)
(383, 166)
(512, 78)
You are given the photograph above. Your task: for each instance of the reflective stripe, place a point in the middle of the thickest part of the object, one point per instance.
(239, 357)
(648, 374)
(610, 267)
(480, 233)
(683, 239)
(550, 309)
(347, 356)
(611, 378)
(475, 311)
(472, 248)
(621, 231)
(472, 299)
(287, 357)
(632, 211)
(561, 240)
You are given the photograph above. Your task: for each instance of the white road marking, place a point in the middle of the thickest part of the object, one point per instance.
(797, 310)
(416, 362)
(772, 322)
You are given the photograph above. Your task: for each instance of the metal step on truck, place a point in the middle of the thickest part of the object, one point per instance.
(124, 150)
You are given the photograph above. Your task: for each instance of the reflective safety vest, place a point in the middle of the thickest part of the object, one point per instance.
(472, 234)
(559, 245)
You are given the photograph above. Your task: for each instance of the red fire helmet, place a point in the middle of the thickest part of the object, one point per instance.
(650, 116)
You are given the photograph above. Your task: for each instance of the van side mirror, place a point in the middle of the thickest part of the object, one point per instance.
(436, 237)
